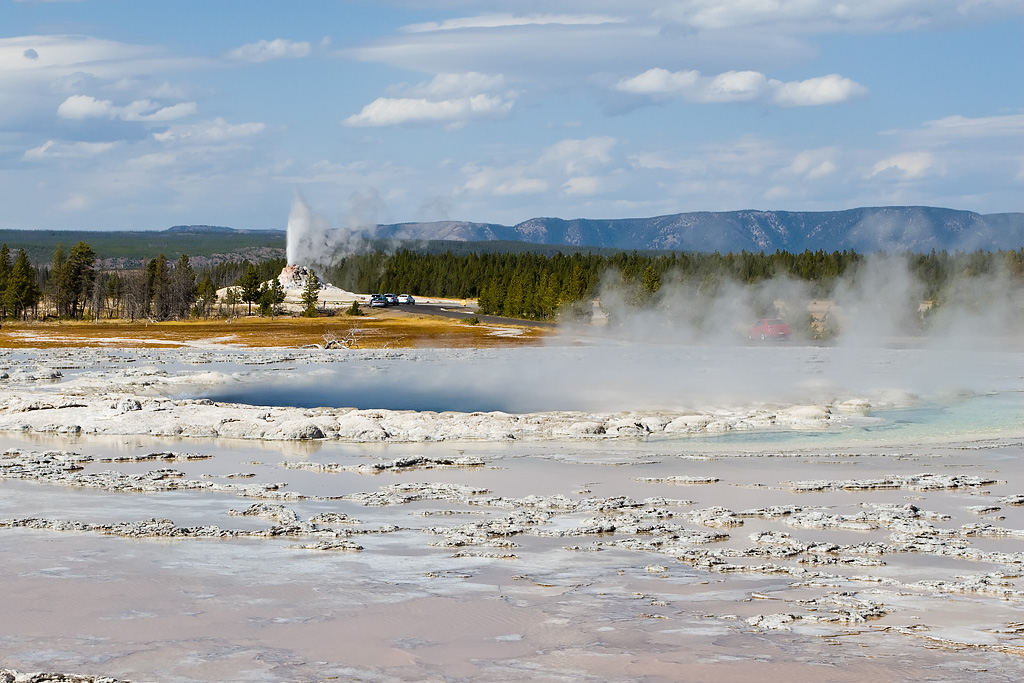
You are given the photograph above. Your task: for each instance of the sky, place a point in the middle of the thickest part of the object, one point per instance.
(129, 115)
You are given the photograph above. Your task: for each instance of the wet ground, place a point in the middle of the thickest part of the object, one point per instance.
(888, 550)
(551, 601)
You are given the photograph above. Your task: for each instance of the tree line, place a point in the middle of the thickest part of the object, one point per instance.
(540, 287)
(515, 284)
(72, 287)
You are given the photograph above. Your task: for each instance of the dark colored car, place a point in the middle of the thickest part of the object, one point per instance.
(378, 301)
(769, 328)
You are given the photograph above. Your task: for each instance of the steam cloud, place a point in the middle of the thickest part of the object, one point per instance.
(685, 345)
(687, 349)
(886, 339)
(312, 239)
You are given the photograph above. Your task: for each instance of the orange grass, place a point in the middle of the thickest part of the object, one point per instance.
(376, 331)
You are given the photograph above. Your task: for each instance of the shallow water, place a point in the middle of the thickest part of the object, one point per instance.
(258, 609)
(407, 609)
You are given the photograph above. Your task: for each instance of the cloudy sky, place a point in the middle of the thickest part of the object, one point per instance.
(122, 114)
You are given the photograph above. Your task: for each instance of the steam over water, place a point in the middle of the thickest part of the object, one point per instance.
(620, 377)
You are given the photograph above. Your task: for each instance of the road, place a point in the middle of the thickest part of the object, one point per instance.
(447, 310)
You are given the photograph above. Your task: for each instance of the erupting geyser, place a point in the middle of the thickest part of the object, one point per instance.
(307, 234)
(312, 239)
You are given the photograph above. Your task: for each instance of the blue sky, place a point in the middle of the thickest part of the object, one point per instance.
(121, 114)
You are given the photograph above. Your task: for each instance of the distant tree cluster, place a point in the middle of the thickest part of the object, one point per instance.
(254, 288)
(72, 288)
(160, 290)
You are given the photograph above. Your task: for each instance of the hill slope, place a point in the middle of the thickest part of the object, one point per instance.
(865, 230)
(895, 228)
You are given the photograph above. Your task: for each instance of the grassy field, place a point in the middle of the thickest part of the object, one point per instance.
(378, 331)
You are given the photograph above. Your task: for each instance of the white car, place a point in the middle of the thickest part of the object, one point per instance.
(406, 299)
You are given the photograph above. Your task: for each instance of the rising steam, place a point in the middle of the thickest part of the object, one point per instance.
(312, 239)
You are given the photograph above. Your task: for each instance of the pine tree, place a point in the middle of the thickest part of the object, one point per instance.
(206, 296)
(22, 292)
(159, 280)
(311, 295)
(183, 288)
(80, 274)
(5, 274)
(57, 283)
(250, 285)
(115, 294)
(276, 294)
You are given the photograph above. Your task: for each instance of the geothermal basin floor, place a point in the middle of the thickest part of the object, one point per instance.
(889, 550)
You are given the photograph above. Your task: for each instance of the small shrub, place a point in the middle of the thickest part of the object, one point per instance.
(472, 320)
(354, 309)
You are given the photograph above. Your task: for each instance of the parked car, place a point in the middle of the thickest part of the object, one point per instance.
(391, 299)
(769, 328)
(378, 301)
(406, 299)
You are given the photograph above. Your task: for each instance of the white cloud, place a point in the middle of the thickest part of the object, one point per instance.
(144, 110)
(814, 164)
(659, 82)
(582, 186)
(521, 186)
(579, 156)
(569, 53)
(445, 86)
(984, 127)
(830, 89)
(506, 20)
(217, 130)
(453, 99)
(269, 50)
(78, 107)
(909, 165)
(572, 165)
(54, 149)
(81, 107)
(734, 86)
(47, 58)
(828, 15)
(741, 86)
(386, 111)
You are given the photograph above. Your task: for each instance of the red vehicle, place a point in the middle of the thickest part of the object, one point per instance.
(769, 328)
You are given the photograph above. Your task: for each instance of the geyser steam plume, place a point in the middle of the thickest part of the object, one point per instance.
(311, 239)
(307, 234)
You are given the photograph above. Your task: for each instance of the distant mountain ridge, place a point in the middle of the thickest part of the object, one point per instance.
(870, 229)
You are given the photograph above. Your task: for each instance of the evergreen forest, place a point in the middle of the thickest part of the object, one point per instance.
(517, 284)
